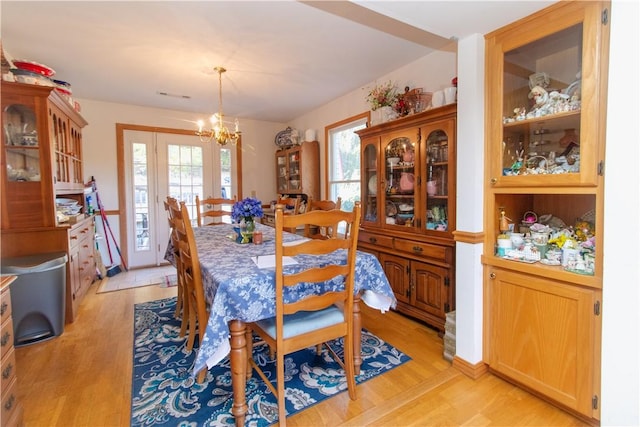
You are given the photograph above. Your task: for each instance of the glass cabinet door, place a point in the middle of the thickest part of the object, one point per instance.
(370, 192)
(400, 182)
(541, 132)
(437, 179)
(22, 148)
(293, 160)
(281, 172)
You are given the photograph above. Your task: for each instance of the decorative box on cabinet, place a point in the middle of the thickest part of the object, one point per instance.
(408, 194)
(41, 160)
(542, 323)
(11, 414)
(298, 170)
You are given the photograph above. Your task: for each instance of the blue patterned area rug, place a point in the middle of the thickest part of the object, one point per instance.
(164, 393)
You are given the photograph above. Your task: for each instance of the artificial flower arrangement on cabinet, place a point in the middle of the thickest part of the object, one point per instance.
(381, 99)
(244, 212)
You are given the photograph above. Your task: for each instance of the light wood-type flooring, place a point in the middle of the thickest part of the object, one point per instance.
(83, 378)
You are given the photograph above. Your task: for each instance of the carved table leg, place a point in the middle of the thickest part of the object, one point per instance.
(238, 370)
(357, 334)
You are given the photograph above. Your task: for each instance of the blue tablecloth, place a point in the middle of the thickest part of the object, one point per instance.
(236, 288)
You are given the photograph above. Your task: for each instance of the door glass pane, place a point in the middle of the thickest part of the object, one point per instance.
(141, 196)
(23, 158)
(185, 173)
(225, 173)
(437, 181)
(542, 102)
(399, 207)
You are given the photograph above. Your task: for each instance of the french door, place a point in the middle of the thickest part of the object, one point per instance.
(161, 164)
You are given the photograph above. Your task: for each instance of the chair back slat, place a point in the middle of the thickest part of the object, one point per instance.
(213, 211)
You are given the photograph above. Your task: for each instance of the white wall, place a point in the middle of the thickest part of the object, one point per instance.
(621, 287)
(470, 197)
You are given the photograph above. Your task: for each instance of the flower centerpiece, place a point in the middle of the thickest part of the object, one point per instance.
(244, 213)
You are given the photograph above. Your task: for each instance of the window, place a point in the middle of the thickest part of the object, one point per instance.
(343, 160)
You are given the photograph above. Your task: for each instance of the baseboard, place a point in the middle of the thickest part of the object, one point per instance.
(472, 371)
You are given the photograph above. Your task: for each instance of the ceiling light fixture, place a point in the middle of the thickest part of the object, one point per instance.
(218, 130)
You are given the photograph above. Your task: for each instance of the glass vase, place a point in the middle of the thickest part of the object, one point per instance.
(247, 227)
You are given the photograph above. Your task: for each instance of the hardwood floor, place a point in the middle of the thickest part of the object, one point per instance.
(83, 378)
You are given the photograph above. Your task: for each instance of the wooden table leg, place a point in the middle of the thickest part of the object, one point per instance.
(238, 370)
(357, 334)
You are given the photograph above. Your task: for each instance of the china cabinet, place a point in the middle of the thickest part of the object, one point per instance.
(408, 194)
(11, 412)
(41, 156)
(298, 170)
(545, 125)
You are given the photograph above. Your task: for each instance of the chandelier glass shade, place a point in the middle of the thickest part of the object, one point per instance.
(218, 131)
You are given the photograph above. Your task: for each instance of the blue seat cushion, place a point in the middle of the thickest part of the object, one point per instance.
(303, 322)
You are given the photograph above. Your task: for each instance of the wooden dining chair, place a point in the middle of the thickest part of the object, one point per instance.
(291, 204)
(315, 232)
(194, 295)
(212, 211)
(291, 207)
(315, 319)
(174, 216)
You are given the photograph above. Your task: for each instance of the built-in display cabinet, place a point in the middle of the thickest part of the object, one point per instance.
(408, 198)
(545, 137)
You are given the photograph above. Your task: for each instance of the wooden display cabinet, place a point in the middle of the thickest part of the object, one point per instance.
(298, 170)
(408, 194)
(545, 154)
(41, 159)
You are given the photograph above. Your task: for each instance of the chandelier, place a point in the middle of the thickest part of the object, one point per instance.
(218, 130)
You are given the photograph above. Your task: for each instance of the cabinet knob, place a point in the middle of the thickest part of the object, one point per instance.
(74, 238)
(372, 239)
(417, 248)
(6, 372)
(492, 276)
(493, 181)
(4, 307)
(5, 339)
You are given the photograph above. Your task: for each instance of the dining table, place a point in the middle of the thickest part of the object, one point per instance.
(239, 287)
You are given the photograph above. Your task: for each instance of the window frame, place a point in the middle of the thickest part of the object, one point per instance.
(356, 121)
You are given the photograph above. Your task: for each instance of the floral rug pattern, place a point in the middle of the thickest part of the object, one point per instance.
(164, 392)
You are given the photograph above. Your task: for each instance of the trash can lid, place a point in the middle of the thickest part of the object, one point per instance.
(32, 263)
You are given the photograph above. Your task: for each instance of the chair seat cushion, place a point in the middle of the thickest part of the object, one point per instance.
(303, 321)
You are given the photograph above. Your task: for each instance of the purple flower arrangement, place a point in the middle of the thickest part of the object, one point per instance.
(246, 208)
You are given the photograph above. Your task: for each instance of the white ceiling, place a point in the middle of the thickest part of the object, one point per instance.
(284, 58)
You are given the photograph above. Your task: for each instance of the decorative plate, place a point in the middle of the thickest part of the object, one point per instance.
(34, 67)
(373, 184)
(284, 139)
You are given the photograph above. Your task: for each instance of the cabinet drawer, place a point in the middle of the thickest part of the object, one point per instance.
(9, 404)
(78, 234)
(6, 338)
(5, 305)
(439, 253)
(7, 370)
(375, 239)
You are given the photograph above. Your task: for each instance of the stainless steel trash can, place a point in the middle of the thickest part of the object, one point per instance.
(37, 296)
